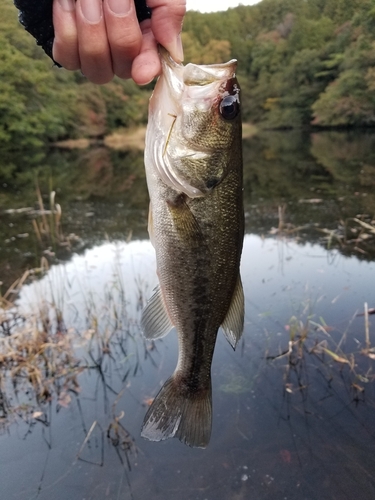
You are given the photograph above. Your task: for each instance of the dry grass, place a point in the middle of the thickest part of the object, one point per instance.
(37, 364)
(248, 130)
(123, 139)
(311, 341)
(354, 235)
(43, 353)
(37, 361)
(128, 139)
(47, 224)
(73, 144)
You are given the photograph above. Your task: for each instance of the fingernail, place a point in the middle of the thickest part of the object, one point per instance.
(67, 5)
(176, 50)
(120, 7)
(146, 83)
(92, 10)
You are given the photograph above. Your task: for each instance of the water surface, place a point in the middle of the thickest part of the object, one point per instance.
(293, 406)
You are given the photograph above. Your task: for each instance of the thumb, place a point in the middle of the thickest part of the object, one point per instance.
(166, 25)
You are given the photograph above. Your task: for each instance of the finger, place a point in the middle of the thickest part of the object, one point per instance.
(147, 64)
(94, 52)
(124, 34)
(65, 45)
(166, 23)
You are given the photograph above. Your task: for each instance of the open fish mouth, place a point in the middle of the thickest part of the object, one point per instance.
(193, 81)
(194, 74)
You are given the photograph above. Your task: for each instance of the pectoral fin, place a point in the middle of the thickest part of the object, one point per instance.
(155, 321)
(234, 320)
(185, 224)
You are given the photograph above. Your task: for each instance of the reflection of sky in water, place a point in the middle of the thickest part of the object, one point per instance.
(279, 275)
(86, 280)
(276, 274)
(313, 442)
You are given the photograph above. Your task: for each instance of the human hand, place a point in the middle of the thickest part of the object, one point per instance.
(103, 38)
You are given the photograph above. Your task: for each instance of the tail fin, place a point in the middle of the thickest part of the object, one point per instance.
(187, 416)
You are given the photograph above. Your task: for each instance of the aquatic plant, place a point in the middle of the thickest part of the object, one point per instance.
(314, 342)
(45, 351)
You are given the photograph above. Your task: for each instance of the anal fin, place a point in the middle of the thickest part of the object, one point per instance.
(155, 321)
(234, 320)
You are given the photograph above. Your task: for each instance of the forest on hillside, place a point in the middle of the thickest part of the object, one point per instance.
(300, 63)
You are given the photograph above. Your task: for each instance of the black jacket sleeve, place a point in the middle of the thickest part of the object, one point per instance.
(36, 17)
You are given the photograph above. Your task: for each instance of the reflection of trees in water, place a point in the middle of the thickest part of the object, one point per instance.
(325, 181)
(103, 192)
(95, 172)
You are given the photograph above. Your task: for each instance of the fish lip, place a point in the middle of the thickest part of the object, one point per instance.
(172, 72)
(226, 68)
(167, 59)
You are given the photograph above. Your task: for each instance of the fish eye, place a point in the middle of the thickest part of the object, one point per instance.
(229, 107)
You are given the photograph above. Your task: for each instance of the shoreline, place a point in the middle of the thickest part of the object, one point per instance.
(127, 139)
(121, 139)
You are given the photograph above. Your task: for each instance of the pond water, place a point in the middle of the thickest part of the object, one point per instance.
(293, 406)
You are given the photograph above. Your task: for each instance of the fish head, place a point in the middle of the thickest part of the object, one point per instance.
(194, 125)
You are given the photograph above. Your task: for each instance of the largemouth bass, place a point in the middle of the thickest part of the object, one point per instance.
(193, 162)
